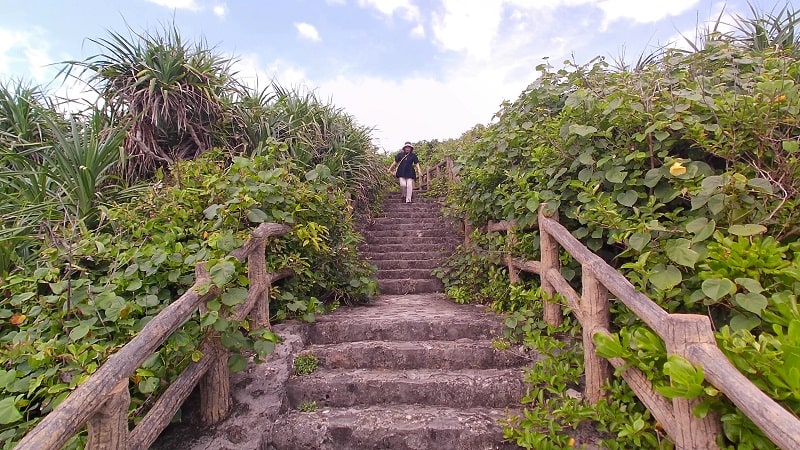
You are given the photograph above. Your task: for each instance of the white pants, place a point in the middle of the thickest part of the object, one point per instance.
(406, 186)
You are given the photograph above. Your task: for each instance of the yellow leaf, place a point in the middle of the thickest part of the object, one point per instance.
(17, 319)
(677, 169)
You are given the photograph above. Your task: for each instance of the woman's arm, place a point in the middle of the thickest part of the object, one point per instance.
(391, 168)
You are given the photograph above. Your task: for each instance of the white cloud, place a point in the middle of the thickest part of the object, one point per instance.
(29, 51)
(405, 8)
(468, 26)
(220, 10)
(642, 11)
(177, 4)
(418, 31)
(307, 31)
(250, 71)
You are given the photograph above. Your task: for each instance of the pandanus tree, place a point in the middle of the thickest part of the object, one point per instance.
(171, 92)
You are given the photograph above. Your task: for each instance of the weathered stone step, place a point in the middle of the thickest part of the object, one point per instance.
(395, 209)
(468, 388)
(410, 286)
(395, 197)
(406, 318)
(405, 427)
(409, 237)
(417, 217)
(391, 264)
(411, 246)
(425, 235)
(446, 355)
(396, 225)
(402, 274)
(437, 232)
(401, 256)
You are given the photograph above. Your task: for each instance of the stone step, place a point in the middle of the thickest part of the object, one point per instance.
(397, 225)
(445, 355)
(402, 256)
(391, 264)
(437, 232)
(418, 216)
(468, 388)
(406, 427)
(406, 318)
(411, 246)
(410, 286)
(409, 237)
(403, 274)
(402, 208)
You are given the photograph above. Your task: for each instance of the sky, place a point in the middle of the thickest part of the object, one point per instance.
(410, 69)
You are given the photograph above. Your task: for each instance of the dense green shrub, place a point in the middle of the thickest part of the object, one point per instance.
(683, 175)
(91, 291)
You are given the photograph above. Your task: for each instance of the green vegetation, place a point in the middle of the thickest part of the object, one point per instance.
(105, 214)
(682, 172)
(305, 364)
(307, 406)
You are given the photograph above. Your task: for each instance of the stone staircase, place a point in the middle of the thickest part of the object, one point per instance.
(411, 370)
(406, 372)
(407, 243)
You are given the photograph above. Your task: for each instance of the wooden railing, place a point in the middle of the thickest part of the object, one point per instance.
(101, 402)
(690, 336)
(442, 169)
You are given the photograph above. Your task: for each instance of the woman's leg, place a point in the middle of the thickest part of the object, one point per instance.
(403, 187)
(409, 189)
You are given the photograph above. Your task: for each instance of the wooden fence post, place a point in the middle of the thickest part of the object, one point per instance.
(450, 174)
(259, 282)
(467, 232)
(215, 386)
(108, 427)
(596, 315)
(511, 241)
(691, 432)
(427, 177)
(549, 249)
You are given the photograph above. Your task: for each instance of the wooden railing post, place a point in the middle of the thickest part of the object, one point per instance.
(427, 177)
(596, 315)
(450, 174)
(550, 261)
(691, 432)
(108, 427)
(259, 283)
(215, 386)
(511, 241)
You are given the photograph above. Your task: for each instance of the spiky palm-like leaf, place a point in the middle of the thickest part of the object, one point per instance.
(171, 91)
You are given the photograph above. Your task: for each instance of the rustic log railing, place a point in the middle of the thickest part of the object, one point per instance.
(101, 402)
(690, 336)
(442, 169)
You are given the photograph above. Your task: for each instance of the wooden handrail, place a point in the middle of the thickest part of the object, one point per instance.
(688, 335)
(442, 169)
(102, 400)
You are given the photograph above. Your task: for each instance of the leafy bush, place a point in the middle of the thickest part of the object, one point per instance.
(663, 172)
(91, 292)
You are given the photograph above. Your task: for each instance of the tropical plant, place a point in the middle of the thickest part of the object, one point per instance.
(172, 92)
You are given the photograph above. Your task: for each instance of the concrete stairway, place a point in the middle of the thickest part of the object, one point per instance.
(407, 243)
(406, 372)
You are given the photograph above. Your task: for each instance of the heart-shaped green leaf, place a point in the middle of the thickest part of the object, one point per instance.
(716, 288)
(750, 229)
(666, 278)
